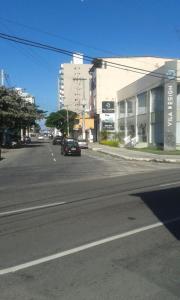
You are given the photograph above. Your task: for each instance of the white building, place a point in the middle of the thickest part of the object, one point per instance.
(110, 75)
(74, 80)
(26, 96)
(149, 108)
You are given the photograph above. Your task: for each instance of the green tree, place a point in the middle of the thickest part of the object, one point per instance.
(15, 112)
(59, 120)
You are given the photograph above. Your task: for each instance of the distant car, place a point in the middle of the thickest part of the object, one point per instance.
(41, 137)
(83, 144)
(70, 147)
(57, 140)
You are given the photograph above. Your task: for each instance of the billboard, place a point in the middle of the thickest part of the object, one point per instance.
(107, 121)
(108, 107)
(170, 115)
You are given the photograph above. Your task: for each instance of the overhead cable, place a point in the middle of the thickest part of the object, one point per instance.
(86, 57)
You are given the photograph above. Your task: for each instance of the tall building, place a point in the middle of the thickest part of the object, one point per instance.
(74, 85)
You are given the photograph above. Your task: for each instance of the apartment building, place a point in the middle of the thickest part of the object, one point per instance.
(74, 80)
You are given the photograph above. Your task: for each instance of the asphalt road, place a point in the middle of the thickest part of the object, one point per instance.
(89, 227)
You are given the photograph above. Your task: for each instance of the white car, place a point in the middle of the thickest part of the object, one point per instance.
(83, 144)
(41, 137)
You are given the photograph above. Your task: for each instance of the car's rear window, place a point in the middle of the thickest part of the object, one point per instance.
(72, 144)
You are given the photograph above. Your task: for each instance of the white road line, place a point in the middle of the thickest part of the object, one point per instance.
(83, 247)
(171, 183)
(54, 159)
(12, 212)
(52, 154)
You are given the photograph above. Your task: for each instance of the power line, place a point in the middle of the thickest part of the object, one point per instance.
(86, 57)
(36, 29)
(57, 36)
(36, 59)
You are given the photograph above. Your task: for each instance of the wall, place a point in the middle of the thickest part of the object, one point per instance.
(73, 87)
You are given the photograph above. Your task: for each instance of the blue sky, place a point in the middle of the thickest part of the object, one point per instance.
(95, 27)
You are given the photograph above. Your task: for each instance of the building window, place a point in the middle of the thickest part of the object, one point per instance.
(121, 109)
(142, 103)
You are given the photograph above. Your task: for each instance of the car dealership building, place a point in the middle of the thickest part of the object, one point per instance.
(148, 109)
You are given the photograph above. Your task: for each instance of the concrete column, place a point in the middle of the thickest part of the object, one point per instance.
(149, 117)
(125, 120)
(116, 115)
(170, 99)
(136, 117)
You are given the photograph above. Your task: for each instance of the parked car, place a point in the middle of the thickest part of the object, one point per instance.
(27, 140)
(57, 140)
(83, 144)
(70, 147)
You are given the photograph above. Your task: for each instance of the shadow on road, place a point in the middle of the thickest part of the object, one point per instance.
(165, 204)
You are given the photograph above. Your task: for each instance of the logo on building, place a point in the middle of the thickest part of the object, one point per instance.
(107, 107)
(171, 74)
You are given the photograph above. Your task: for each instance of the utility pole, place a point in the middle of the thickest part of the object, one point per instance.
(83, 107)
(67, 118)
(2, 77)
(67, 121)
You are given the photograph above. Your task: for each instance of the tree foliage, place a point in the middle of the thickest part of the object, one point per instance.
(59, 120)
(15, 112)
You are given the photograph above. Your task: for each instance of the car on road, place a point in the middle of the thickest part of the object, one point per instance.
(57, 140)
(70, 147)
(83, 144)
(40, 137)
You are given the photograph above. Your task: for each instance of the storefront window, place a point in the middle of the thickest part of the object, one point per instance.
(122, 108)
(157, 99)
(142, 103)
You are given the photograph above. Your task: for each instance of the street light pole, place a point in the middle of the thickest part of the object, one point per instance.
(83, 112)
(67, 120)
(2, 77)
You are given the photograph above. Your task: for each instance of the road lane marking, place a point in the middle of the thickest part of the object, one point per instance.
(83, 247)
(54, 159)
(12, 212)
(52, 154)
(170, 183)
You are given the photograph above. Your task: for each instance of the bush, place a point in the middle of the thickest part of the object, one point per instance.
(112, 143)
(104, 135)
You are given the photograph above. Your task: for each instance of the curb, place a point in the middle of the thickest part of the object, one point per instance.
(159, 160)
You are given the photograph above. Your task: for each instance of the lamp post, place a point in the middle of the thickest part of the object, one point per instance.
(67, 121)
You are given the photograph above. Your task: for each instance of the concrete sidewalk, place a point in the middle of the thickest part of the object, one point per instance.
(134, 155)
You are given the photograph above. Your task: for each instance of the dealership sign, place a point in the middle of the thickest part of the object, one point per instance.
(108, 107)
(107, 121)
(170, 99)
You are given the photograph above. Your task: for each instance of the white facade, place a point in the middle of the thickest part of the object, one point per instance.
(26, 96)
(112, 74)
(74, 80)
(149, 108)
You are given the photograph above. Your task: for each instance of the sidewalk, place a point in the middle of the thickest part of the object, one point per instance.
(9, 155)
(134, 155)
